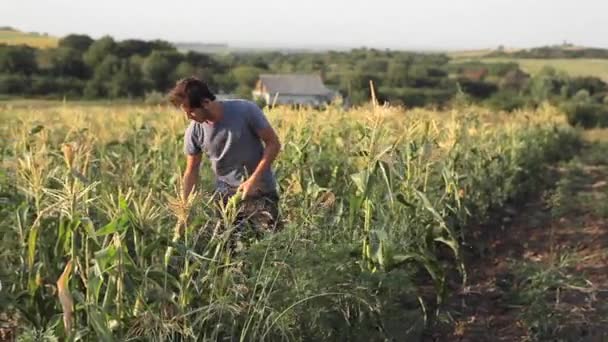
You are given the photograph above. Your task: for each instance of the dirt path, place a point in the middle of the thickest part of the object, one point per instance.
(541, 275)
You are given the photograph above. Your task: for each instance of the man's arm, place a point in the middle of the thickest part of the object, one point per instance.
(193, 162)
(271, 150)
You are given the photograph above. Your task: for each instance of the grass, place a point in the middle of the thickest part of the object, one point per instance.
(98, 244)
(573, 67)
(34, 40)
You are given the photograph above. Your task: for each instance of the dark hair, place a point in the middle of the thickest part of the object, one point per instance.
(192, 89)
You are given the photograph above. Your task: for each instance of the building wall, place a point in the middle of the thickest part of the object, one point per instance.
(299, 99)
(311, 100)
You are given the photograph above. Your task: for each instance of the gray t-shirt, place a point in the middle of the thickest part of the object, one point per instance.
(232, 145)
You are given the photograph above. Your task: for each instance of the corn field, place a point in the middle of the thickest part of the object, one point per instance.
(97, 244)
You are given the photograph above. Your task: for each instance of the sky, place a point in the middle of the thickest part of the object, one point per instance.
(393, 24)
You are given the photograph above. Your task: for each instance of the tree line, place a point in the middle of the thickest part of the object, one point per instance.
(82, 67)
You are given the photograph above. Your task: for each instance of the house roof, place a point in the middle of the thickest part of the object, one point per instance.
(294, 84)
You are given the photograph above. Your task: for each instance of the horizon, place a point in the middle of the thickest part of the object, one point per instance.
(301, 47)
(432, 25)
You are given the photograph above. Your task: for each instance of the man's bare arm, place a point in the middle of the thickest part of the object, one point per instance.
(271, 150)
(191, 173)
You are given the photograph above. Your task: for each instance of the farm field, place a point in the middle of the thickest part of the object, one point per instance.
(572, 66)
(381, 207)
(11, 37)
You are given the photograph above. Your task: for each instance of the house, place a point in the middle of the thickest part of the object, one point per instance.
(293, 89)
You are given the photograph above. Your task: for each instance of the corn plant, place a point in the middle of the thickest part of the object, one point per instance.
(98, 244)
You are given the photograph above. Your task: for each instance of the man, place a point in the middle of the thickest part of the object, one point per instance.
(240, 143)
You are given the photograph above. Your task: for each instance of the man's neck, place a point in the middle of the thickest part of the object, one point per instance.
(217, 112)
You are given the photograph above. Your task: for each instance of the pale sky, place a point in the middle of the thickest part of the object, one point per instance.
(419, 24)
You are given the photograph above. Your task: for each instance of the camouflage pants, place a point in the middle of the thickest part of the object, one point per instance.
(260, 213)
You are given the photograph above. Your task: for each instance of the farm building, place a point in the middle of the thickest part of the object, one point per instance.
(293, 89)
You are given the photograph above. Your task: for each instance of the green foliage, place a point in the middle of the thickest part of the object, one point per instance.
(13, 84)
(158, 68)
(246, 76)
(477, 89)
(78, 42)
(547, 84)
(507, 100)
(127, 81)
(17, 60)
(413, 79)
(99, 50)
(554, 52)
(586, 114)
(132, 47)
(372, 199)
(415, 97)
(68, 62)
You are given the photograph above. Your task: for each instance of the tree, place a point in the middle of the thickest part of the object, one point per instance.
(127, 81)
(478, 89)
(246, 76)
(225, 82)
(94, 89)
(13, 84)
(397, 75)
(100, 84)
(68, 62)
(374, 65)
(546, 83)
(107, 68)
(592, 85)
(356, 86)
(199, 59)
(185, 69)
(79, 42)
(158, 68)
(132, 47)
(19, 59)
(97, 52)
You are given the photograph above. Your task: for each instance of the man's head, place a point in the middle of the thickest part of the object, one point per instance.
(193, 97)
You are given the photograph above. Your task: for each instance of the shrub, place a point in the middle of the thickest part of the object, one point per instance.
(507, 100)
(13, 84)
(587, 115)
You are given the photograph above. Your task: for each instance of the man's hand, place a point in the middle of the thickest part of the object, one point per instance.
(249, 187)
(271, 150)
(190, 177)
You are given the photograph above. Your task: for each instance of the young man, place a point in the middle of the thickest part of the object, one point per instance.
(240, 143)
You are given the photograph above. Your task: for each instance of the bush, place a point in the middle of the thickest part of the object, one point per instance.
(415, 97)
(478, 89)
(13, 84)
(63, 86)
(587, 115)
(507, 101)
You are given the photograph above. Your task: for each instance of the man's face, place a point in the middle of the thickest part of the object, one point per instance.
(198, 114)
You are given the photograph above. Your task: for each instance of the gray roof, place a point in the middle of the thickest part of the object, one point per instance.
(295, 84)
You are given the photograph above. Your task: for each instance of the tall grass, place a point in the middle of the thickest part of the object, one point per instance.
(97, 243)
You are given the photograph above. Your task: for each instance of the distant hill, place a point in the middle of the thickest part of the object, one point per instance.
(202, 47)
(563, 51)
(11, 36)
(222, 48)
